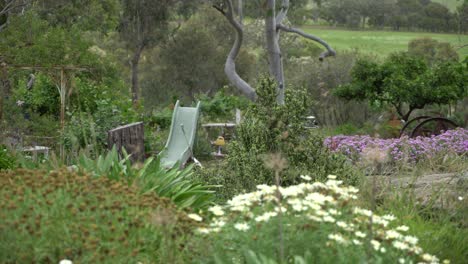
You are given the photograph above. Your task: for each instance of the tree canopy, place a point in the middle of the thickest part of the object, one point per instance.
(406, 82)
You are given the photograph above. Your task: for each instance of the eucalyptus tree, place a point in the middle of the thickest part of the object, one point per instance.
(143, 24)
(9, 6)
(275, 22)
(86, 15)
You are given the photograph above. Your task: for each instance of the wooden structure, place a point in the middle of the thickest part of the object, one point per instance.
(130, 137)
(61, 83)
(37, 150)
(226, 128)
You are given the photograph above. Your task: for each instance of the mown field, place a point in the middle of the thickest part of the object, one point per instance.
(381, 42)
(451, 4)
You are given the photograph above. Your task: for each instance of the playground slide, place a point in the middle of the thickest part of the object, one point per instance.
(179, 145)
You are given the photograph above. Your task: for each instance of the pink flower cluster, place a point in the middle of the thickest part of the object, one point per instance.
(402, 149)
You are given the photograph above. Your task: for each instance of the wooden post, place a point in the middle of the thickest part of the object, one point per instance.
(63, 92)
(1, 101)
(130, 137)
(4, 86)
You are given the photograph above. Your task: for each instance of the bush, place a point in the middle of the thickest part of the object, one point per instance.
(163, 118)
(221, 106)
(47, 217)
(90, 129)
(7, 160)
(271, 128)
(151, 177)
(317, 222)
(432, 50)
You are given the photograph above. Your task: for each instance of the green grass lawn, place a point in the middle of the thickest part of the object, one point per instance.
(451, 4)
(381, 42)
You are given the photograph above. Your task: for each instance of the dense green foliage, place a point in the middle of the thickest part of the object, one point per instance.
(401, 14)
(150, 177)
(47, 217)
(95, 206)
(32, 96)
(406, 80)
(432, 50)
(221, 105)
(7, 160)
(269, 128)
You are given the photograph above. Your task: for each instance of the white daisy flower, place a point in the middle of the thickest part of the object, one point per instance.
(195, 217)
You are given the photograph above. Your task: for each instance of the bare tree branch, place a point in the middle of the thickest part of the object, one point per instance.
(330, 51)
(462, 46)
(11, 5)
(230, 66)
(220, 9)
(283, 12)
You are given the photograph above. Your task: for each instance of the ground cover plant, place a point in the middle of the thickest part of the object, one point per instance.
(307, 223)
(49, 216)
(451, 142)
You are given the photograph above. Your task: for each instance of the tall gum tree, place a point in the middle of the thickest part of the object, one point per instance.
(274, 24)
(143, 24)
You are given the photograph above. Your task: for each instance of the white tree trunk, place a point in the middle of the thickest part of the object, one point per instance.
(273, 49)
(273, 27)
(230, 66)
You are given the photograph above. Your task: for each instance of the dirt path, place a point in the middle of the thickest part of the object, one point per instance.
(445, 186)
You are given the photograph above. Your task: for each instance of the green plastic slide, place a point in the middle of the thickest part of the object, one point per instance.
(179, 145)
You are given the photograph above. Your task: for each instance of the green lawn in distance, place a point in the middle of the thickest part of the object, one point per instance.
(381, 43)
(451, 4)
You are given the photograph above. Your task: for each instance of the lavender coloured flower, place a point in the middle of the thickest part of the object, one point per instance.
(398, 149)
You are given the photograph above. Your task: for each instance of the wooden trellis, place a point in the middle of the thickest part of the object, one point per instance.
(61, 86)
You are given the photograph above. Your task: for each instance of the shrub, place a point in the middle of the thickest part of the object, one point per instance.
(221, 106)
(318, 222)
(271, 128)
(163, 118)
(90, 129)
(150, 177)
(47, 217)
(7, 160)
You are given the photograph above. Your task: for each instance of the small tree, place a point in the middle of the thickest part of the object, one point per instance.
(143, 24)
(432, 50)
(406, 83)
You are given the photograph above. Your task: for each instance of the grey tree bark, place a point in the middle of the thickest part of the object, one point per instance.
(275, 61)
(134, 63)
(230, 66)
(240, 11)
(273, 27)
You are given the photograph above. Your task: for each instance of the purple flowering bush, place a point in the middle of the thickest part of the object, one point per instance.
(402, 149)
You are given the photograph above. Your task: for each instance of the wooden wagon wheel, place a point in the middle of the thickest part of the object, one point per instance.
(433, 126)
(416, 120)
